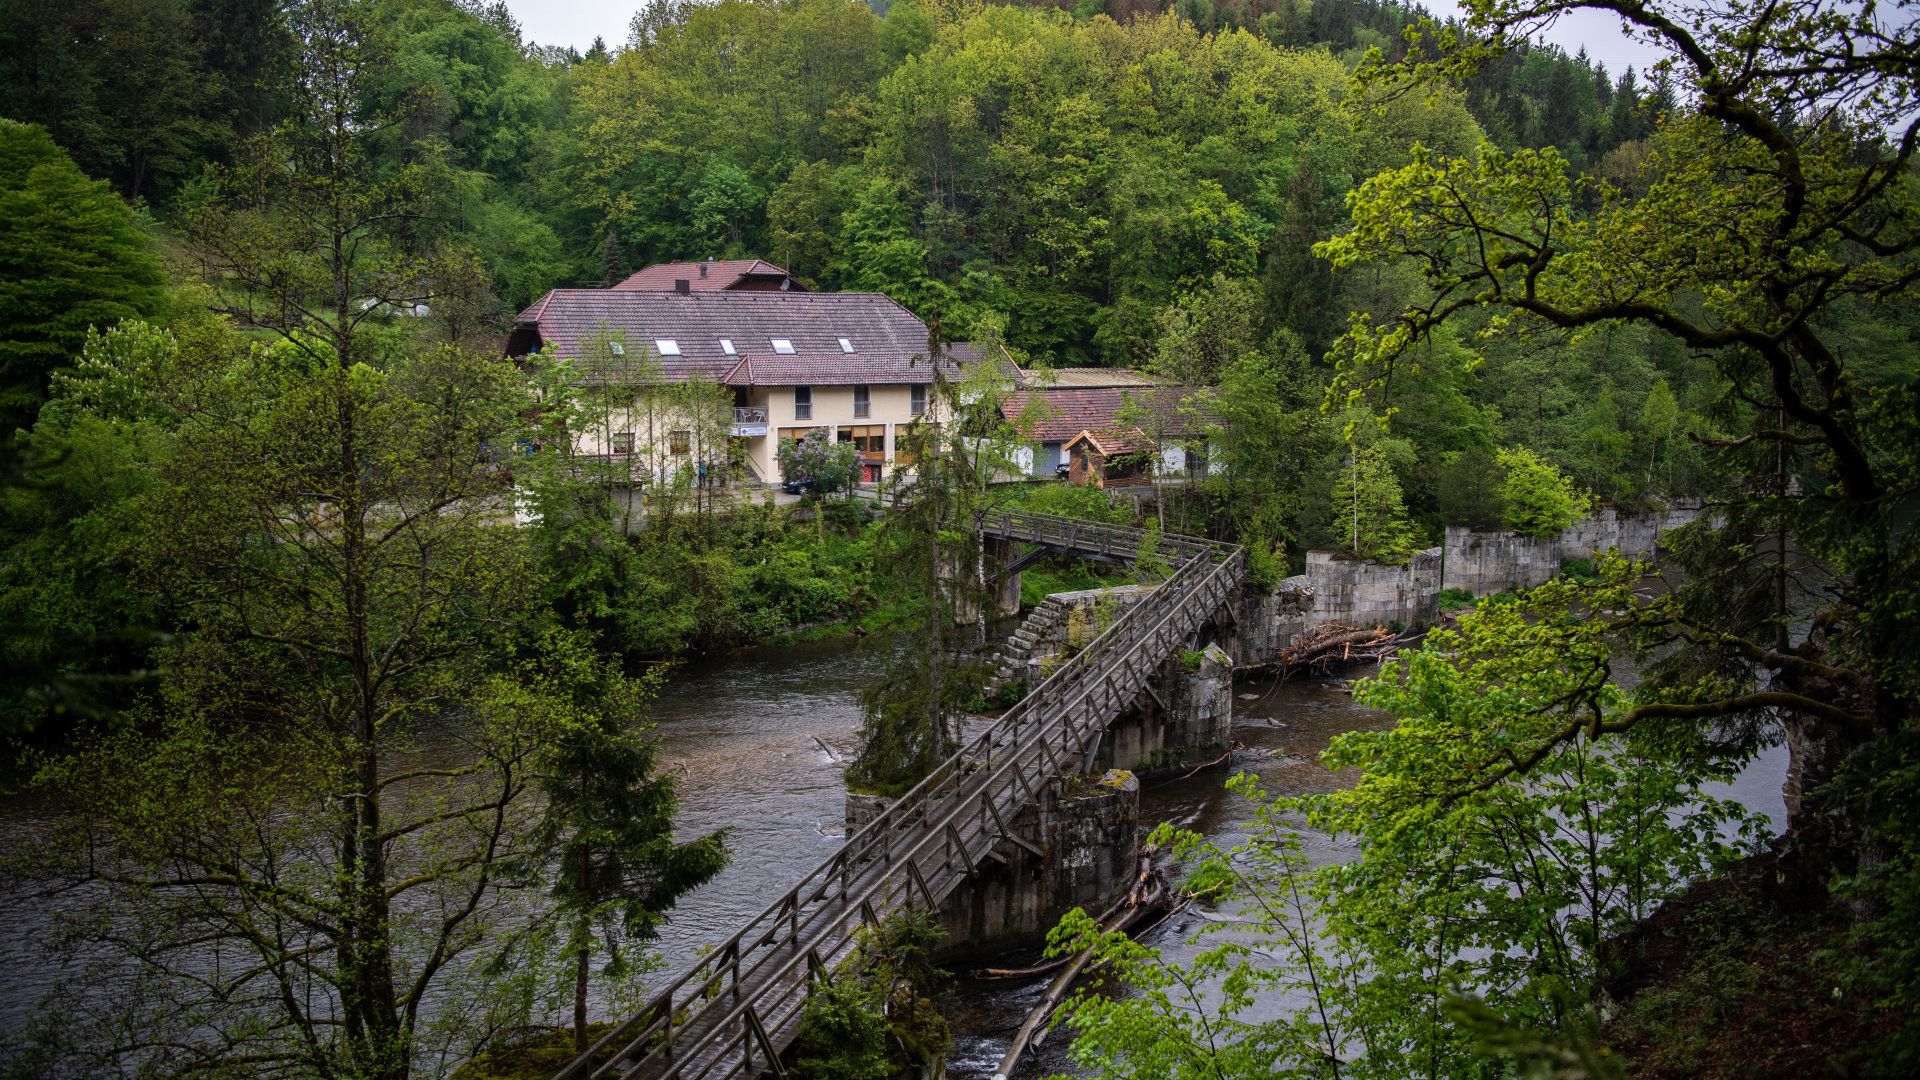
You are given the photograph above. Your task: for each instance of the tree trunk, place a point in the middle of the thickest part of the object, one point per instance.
(582, 968)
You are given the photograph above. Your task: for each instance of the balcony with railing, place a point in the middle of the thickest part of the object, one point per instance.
(749, 420)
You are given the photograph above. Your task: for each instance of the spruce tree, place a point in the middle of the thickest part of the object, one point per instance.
(71, 257)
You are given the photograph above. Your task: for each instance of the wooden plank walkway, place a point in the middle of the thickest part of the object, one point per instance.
(731, 1013)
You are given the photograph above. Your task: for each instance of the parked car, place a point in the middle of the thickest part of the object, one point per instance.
(1063, 471)
(799, 485)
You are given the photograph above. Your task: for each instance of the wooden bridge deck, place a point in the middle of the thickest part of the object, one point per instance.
(730, 1014)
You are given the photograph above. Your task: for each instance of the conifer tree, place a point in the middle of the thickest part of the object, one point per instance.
(71, 258)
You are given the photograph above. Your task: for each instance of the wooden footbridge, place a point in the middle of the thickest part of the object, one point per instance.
(733, 1012)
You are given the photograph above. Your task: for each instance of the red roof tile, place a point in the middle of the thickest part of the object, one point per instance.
(889, 343)
(720, 274)
(1113, 442)
(1063, 413)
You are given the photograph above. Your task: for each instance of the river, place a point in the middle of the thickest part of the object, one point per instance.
(759, 740)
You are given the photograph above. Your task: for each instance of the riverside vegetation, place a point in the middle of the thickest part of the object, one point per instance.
(1416, 275)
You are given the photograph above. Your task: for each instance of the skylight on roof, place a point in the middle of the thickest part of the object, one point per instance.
(726, 346)
(666, 346)
(616, 348)
(781, 345)
(846, 345)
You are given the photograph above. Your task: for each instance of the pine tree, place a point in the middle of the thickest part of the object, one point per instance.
(607, 831)
(71, 257)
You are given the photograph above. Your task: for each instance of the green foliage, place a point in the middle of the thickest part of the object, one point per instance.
(1150, 565)
(1577, 569)
(1467, 880)
(605, 844)
(1050, 576)
(931, 547)
(1073, 500)
(830, 466)
(1367, 509)
(843, 1032)
(1536, 498)
(873, 1019)
(1456, 599)
(74, 260)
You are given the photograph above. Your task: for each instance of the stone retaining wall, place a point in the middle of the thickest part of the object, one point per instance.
(1485, 561)
(1338, 588)
(1043, 634)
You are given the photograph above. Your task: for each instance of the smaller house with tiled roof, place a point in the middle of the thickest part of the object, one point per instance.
(1076, 420)
(793, 362)
(713, 275)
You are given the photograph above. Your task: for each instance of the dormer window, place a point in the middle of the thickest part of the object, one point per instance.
(781, 345)
(726, 346)
(616, 348)
(666, 346)
(846, 345)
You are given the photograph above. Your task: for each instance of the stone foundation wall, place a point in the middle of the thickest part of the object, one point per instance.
(1338, 588)
(1362, 593)
(1196, 725)
(1486, 561)
(1089, 829)
(1044, 632)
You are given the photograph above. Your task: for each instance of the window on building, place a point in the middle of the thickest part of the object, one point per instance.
(869, 439)
(781, 345)
(726, 346)
(803, 403)
(862, 404)
(917, 400)
(621, 443)
(846, 345)
(680, 441)
(616, 348)
(666, 346)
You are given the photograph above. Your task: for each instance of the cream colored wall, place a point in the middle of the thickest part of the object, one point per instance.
(652, 438)
(833, 408)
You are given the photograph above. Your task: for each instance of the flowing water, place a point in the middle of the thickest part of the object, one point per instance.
(759, 741)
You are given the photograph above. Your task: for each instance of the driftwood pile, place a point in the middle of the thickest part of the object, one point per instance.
(1148, 894)
(1325, 647)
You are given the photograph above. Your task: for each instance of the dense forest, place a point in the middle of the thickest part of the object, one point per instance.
(953, 158)
(256, 261)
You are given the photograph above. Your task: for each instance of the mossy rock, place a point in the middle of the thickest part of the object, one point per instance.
(537, 1057)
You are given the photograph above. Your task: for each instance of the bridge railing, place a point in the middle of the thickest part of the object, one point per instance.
(738, 999)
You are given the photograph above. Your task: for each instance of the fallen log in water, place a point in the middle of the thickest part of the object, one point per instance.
(1148, 891)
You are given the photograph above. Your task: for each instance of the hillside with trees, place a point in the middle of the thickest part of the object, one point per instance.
(257, 262)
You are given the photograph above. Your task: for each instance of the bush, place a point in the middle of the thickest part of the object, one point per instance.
(1370, 515)
(1456, 599)
(873, 1021)
(1577, 569)
(1536, 498)
(832, 466)
(1073, 500)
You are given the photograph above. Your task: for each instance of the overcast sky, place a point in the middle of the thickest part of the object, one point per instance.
(578, 22)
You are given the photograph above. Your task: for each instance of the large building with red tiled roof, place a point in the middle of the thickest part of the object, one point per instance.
(852, 364)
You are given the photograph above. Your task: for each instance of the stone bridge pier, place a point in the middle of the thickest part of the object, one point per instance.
(1078, 843)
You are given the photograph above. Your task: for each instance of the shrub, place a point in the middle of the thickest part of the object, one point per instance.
(832, 466)
(1456, 599)
(1536, 498)
(1370, 515)
(1073, 500)
(1577, 569)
